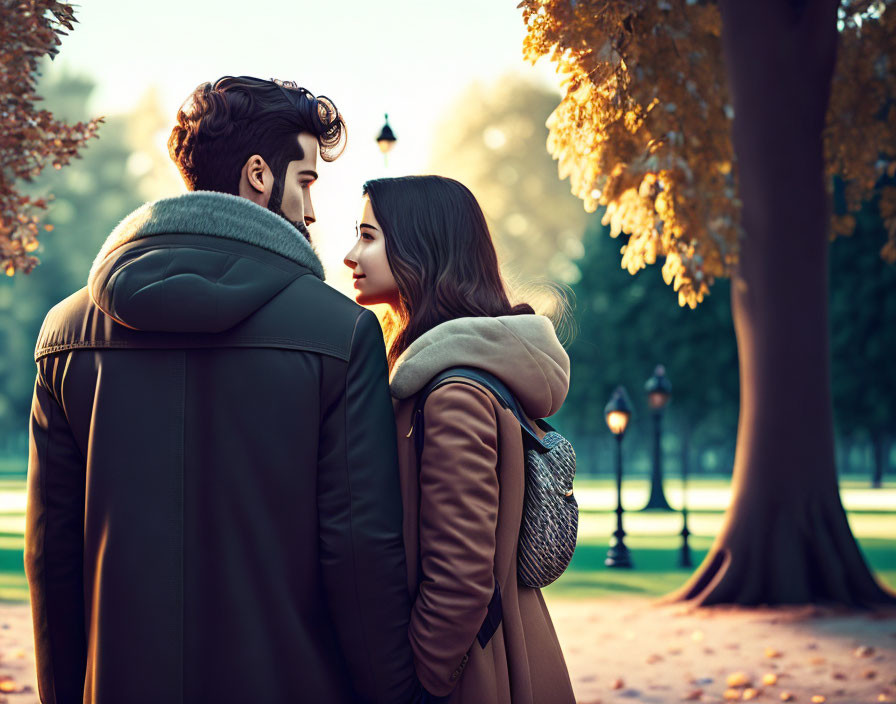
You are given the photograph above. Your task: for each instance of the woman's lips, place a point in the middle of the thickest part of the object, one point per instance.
(357, 279)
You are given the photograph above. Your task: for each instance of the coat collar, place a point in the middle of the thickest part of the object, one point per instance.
(217, 215)
(521, 350)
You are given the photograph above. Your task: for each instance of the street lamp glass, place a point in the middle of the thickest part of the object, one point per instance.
(386, 139)
(617, 422)
(657, 399)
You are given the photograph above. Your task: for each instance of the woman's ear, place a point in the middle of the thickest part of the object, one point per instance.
(256, 180)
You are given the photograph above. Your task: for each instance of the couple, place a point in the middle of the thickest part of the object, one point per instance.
(223, 504)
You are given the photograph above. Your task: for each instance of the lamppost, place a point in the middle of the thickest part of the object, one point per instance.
(684, 560)
(659, 390)
(618, 411)
(386, 139)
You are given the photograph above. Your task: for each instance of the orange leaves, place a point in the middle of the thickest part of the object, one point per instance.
(646, 101)
(8, 685)
(738, 679)
(30, 139)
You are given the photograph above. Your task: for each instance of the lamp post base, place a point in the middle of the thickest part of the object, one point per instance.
(618, 555)
(684, 559)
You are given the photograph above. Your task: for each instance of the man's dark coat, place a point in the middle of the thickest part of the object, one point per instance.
(213, 503)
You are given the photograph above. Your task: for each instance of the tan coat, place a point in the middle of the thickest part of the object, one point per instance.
(462, 511)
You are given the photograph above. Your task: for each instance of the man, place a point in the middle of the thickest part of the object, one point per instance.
(213, 501)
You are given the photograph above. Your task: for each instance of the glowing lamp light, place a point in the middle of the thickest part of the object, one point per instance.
(386, 139)
(617, 422)
(618, 411)
(658, 388)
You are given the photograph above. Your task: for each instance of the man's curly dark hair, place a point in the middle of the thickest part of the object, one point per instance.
(224, 123)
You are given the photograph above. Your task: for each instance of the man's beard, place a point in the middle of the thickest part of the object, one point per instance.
(275, 206)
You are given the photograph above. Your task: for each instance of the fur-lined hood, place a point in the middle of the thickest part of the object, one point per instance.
(151, 275)
(521, 350)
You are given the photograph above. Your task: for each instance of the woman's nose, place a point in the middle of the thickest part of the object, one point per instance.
(351, 260)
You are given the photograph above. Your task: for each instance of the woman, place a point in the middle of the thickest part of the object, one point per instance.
(424, 250)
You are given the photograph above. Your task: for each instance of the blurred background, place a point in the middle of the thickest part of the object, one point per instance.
(462, 103)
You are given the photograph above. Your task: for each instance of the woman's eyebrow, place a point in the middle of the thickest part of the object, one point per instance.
(364, 224)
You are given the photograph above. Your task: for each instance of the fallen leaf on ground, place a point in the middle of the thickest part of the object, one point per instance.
(818, 699)
(694, 695)
(864, 651)
(731, 695)
(817, 661)
(738, 679)
(787, 697)
(617, 684)
(770, 678)
(653, 659)
(772, 653)
(750, 693)
(8, 684)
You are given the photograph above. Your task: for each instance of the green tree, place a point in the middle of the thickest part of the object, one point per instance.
(625, 327)
(863, 338)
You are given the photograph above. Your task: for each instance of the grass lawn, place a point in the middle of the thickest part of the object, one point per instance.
(653, 538)
(654, 541)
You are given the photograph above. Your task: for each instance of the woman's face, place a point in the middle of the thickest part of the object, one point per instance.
(374, 282)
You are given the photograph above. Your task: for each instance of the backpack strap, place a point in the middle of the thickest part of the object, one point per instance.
(490, 382)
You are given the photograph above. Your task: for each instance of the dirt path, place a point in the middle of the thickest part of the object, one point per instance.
(629, 651)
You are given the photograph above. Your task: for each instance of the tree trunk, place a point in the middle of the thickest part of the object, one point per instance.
(785, 538)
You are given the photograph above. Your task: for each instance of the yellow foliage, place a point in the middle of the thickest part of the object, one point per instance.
(643, 128)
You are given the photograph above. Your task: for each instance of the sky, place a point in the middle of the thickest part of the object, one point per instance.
(408, 58)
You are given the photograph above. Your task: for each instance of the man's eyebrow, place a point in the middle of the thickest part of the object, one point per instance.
(364, 224)
(308, 172)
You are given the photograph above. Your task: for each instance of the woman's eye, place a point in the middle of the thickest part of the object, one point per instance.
(366, 236)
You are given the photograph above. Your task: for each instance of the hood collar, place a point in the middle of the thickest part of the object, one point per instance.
(216, 215)
(521, 350)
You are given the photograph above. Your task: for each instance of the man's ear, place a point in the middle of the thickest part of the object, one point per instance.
(256, 180)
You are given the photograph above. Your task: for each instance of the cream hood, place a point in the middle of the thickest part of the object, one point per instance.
(521, 350)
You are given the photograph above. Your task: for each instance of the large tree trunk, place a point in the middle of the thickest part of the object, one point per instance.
(785, 539)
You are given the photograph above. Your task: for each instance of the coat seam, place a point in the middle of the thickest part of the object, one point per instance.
(43, 542)
(275, 342)
(179, 489)
(351, 520)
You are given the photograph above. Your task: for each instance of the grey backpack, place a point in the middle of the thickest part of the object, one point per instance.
(550, 522)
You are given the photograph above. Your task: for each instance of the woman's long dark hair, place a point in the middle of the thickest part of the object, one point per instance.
(441, 254)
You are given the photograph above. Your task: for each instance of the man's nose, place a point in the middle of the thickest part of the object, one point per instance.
(309, 211)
